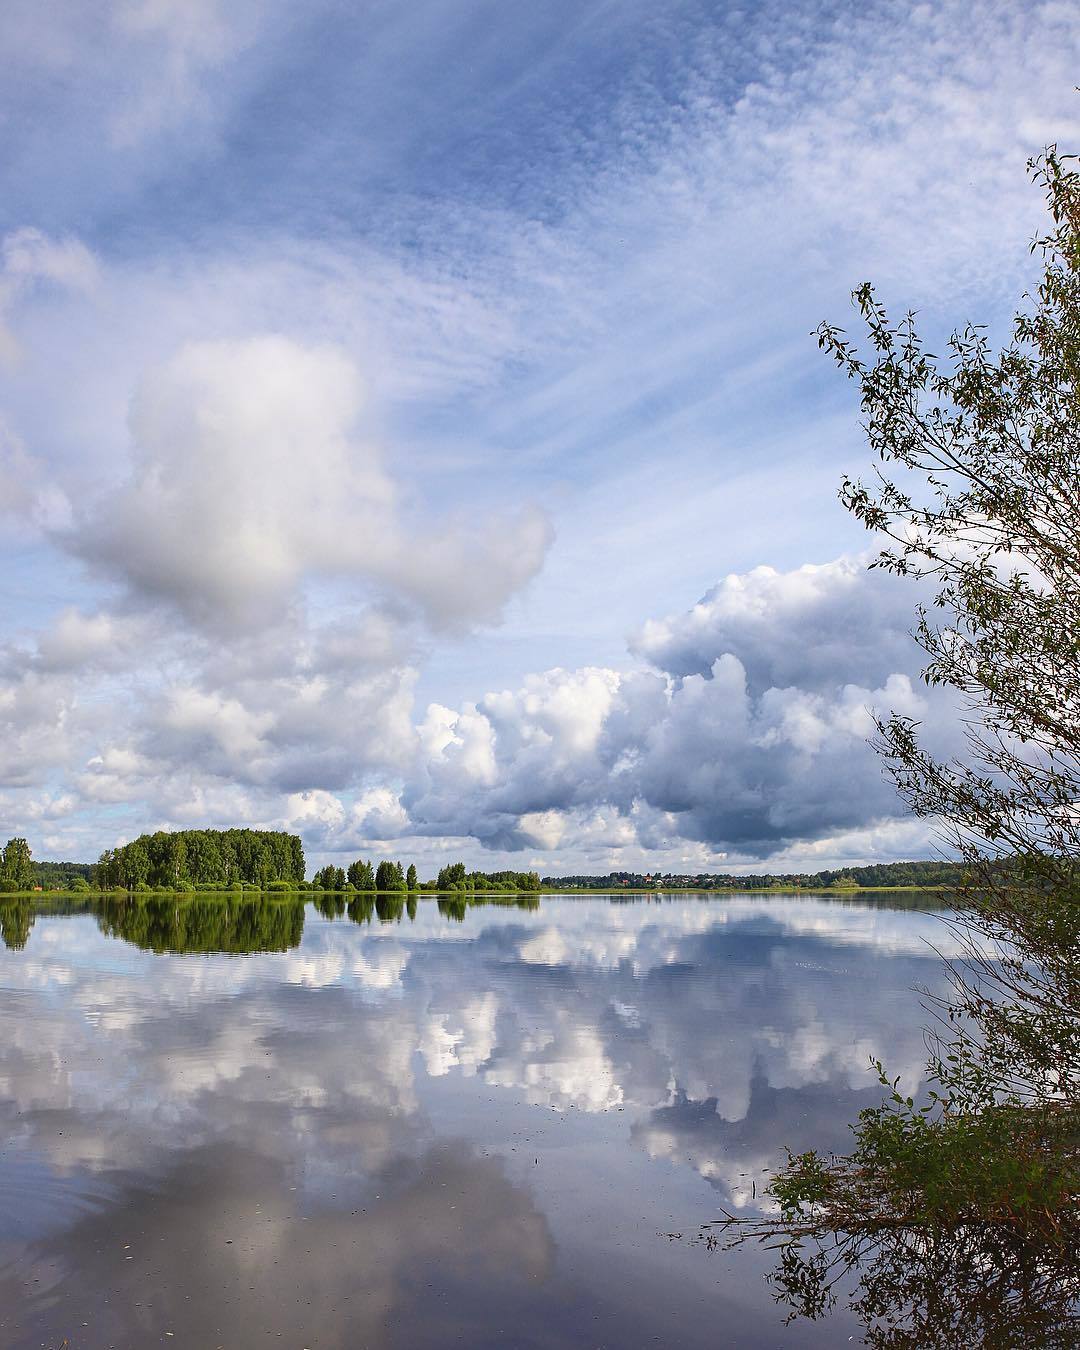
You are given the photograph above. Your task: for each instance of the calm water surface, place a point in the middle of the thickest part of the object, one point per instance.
(312, 1130)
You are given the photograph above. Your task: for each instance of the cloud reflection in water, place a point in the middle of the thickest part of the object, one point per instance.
(275, 1139)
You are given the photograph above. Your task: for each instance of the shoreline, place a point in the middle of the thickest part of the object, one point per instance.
(820, 892)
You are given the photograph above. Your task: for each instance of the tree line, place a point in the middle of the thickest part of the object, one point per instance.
(272, 860)
(931, 874)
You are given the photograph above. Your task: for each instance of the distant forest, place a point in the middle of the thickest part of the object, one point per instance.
(51, 876)
(874, 874)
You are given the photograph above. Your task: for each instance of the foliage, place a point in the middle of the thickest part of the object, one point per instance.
(389, 877)
(936, 874)
(220, 857)
(454, 878)
(61, 876)
(361, 875)
(961, 1216)
(16, 865)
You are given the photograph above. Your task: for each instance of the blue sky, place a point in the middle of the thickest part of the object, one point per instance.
(386, 393)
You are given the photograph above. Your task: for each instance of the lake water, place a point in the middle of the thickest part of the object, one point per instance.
(470, 1128)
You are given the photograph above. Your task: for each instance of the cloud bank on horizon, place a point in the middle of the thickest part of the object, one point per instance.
(373, 383)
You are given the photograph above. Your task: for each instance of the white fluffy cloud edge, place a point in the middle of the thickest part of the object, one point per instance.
(225, 681)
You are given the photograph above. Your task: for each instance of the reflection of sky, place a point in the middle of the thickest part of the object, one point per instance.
(581, 1077)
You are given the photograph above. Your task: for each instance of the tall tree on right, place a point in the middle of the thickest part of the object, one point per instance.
(962, 1214)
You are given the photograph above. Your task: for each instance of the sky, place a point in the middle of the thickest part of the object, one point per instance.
(412, 432)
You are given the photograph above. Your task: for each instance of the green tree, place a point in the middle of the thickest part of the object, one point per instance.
(963, 1215)
(135, 864)
(452, 878)
(388, 876)
(410, 878)
(16, 864)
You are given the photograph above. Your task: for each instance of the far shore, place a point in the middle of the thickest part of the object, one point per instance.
(226, 892)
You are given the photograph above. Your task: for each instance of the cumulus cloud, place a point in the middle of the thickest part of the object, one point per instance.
(250, 488)
(248, 478)
(803, 627)
(750, 736)
(714, 752)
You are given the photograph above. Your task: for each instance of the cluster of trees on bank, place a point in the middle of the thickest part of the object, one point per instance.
(63, 876)
(183, 859)
(389, 877)
(364, 877)
(16, 866)
(454, 878)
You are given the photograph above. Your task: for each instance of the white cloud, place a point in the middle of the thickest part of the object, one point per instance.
(801, 627)
(248, 478)
(727, 746)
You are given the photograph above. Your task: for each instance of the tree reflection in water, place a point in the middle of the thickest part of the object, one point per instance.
(16, 920)
(226, 923)
(988, 1285)
(204, 924)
